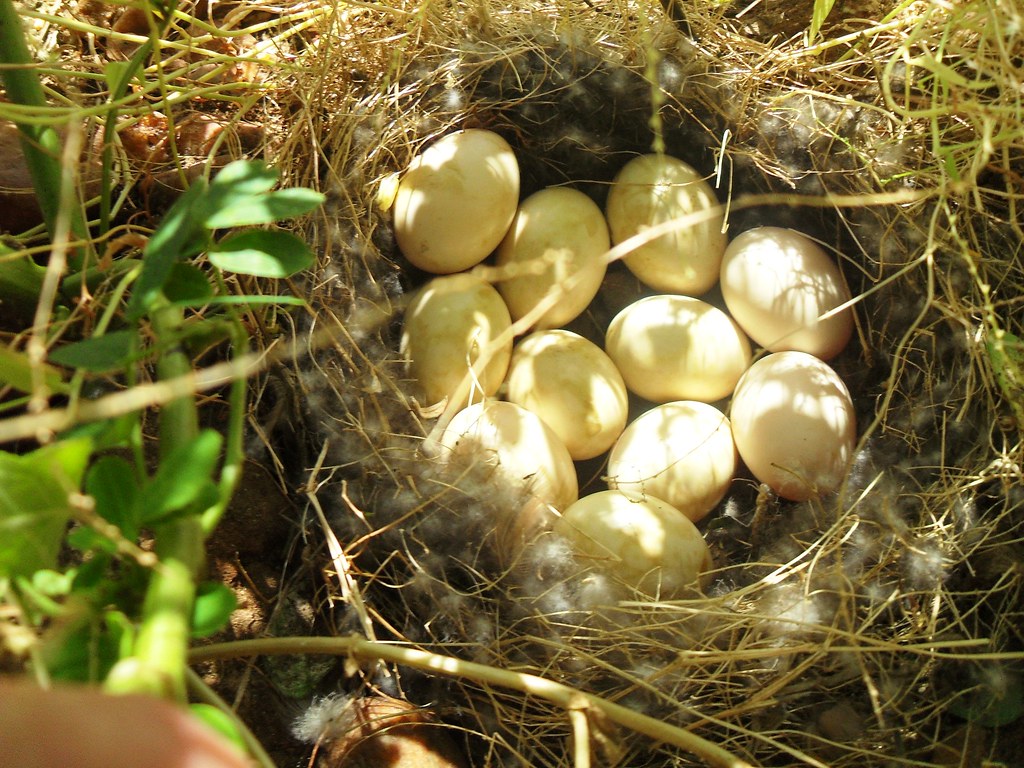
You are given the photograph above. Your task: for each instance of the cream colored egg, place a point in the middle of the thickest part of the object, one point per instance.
(456, 201)
(671, 347)
(682, 452)
(794, 424)
(519, 445)
(654, 189)
(451, 324)
(779, 285)
(641, 539)
(556, 247)
(573, 386)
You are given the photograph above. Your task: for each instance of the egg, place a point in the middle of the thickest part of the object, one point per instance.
(573, 386)
(556, 247)
(778, 284)
(642, 540)
(682, 452)
(671, 347)
(449, 326)
(456, 201)
(654, 189)
(518, 444)
(794, 424)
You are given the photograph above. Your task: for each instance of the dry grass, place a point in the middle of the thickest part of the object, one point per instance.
(842, 632)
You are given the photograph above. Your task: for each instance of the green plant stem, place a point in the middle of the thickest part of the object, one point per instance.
(234, 448)
(202, 692)
(155, 11)
(158, 662)
(161, 647)
(40, 144)
(658, 98)
(562, 695)
(117, 92)
(138, 397)
(72, 285)
(179, 418)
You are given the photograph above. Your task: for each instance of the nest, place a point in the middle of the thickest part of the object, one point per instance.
(879, 625)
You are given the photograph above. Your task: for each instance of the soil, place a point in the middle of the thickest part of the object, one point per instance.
(249, 553)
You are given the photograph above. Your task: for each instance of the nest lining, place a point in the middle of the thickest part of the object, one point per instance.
(832, 628)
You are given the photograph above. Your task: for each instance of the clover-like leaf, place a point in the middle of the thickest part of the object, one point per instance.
(262, 253)
(98, 354)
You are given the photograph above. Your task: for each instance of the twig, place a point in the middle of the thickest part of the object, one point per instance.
(563, 695)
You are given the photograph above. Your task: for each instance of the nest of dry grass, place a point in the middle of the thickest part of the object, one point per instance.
(877, 626)
(880, 625)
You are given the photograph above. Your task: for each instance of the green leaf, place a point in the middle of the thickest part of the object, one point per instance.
(53, 583)
(37, 593)
(236, 184)
(199, 336)
(820, 12)
(21, 281)
(66, 459)
(109, 433)
(99, 354)
(34, 505)
(188, 284)
(114, 486)
(179, 236)
(266, 208)
(220, 722)
(243, 177)
(115, 71)
(123, 631)
(92, 574)
(213, 606)
(84, 649)
(16, 371)
(86, 539)
(263, 253)
(183, 477)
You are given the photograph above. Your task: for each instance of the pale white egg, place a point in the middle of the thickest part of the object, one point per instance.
(556, 247)
(671, 347)
(794, 424)
(642, 540)
(682, 452)
(518, 445)
(784, 290)
(450, 326)
(573, 386)
(651, 190)
(456, 201)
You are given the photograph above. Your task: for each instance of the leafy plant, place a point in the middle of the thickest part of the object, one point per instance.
(113, 612)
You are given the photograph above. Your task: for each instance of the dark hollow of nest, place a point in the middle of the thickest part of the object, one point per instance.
(427, 564)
